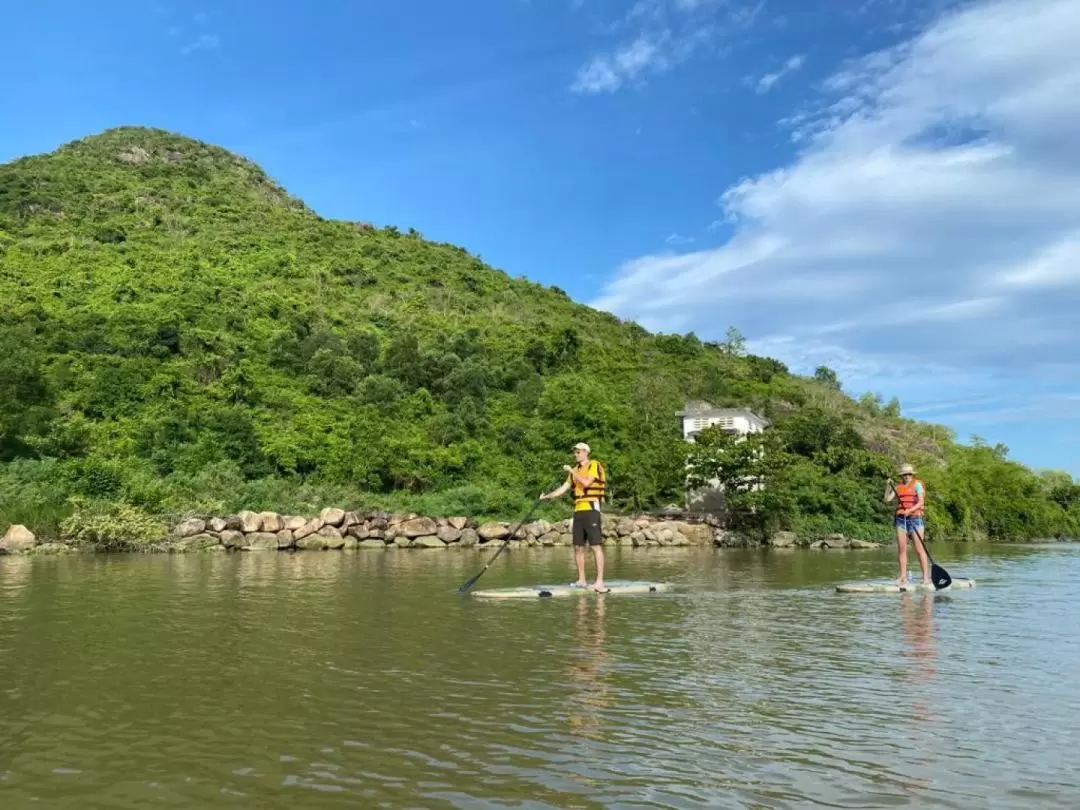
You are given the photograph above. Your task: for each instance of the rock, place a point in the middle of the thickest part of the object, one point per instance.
(372, 542)
(294, 522)
(377, 534)
(378, 520)
(285, 539)
(191, 527)
(332, 538)
(418, 527)
(458, 523)
(359, 531)
(350, 543)
(249, 521)
(863, 544)
(493, 531)
(469, 538)
(232, 539)
(680, 540)
(638, 539)
(428, 541)
(697, 534)
(448, 534)
(566, 539)
(549, 538)
(351, 519)
(665, 536)
(401, 541)
(261, 541)
(311, 542)
(784, 540)
(218, 525)
(331, 516)
(308, 528)
(625, 527)
(233, 523)
(197, 542)
(270, 522)
(17, 538)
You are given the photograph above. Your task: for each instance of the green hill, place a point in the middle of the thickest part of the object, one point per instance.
(178, 333)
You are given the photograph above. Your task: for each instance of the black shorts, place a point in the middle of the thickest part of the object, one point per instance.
(586, 526)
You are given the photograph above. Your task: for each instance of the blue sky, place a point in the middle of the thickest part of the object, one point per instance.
(888, 187)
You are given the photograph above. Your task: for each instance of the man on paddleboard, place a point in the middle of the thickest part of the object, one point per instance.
(588, 481)
(910, 494)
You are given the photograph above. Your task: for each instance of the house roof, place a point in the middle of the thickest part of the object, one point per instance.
(700, 409)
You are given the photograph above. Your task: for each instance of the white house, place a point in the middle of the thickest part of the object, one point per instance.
(698, 415)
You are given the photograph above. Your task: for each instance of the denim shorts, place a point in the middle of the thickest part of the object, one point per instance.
(909, 523)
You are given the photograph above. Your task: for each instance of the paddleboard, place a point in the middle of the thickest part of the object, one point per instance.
(545, 591)
(892, 587)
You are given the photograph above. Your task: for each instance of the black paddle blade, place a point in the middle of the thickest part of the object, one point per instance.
(940, 577)
(470, 583)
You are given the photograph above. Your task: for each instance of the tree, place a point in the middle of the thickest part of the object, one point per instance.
(826, 376)
(735, 343)
(748, 469)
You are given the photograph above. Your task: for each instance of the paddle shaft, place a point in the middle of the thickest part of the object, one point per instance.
(506, 542)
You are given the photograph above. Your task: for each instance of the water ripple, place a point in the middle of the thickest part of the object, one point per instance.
(325, 680)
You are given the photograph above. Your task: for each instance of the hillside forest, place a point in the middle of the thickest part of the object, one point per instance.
(179, 335)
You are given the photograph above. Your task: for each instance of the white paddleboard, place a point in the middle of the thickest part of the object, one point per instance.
(545, 591)
(892, 587)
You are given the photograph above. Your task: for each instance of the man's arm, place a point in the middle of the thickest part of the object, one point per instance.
(556, 493)
(582, 478)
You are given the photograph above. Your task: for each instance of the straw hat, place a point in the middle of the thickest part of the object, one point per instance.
(907, 469)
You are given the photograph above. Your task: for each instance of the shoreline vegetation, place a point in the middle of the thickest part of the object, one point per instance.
(337, 529)
(179, 336)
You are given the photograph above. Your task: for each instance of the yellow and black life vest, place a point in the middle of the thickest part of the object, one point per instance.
(586, 497)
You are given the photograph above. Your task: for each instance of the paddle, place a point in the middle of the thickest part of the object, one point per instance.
(506, 542)
(938, 575)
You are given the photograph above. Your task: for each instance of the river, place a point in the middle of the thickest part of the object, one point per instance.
(363, 679)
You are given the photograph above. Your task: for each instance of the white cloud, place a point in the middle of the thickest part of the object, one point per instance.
(606, 73)
(665, 33)
(930, 223)
(769, 80)
(206, 42)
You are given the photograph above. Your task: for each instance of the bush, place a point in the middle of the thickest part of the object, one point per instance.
(111, 526)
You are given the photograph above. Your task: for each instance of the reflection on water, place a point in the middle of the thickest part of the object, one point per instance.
(588, 670)
(363, 679)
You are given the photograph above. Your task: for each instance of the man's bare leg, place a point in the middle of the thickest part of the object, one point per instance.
(579, 558)
(598, 554)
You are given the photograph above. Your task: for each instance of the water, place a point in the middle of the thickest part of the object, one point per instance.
(362, 679)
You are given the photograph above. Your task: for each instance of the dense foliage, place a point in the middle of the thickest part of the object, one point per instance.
(178, 334)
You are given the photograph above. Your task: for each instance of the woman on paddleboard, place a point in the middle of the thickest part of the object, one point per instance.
(910, 495)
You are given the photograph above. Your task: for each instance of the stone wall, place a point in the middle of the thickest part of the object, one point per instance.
(335, 529)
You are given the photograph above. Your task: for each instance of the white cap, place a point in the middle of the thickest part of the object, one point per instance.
(581, 446)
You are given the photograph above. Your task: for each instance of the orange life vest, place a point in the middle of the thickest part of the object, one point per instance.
(907, 497)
